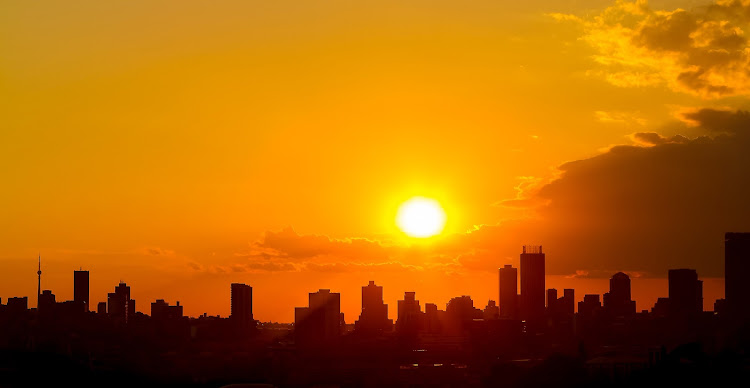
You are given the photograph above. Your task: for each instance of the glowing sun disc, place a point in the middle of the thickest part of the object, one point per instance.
(421, 217)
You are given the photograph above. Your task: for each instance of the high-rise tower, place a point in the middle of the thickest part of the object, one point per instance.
(374, 316)
(508, 298)
(685, 293)
(736, 273)
(532, 283)
(319, 324)
(81, 288)
(242, 305)
(617, 302)
(119, 305)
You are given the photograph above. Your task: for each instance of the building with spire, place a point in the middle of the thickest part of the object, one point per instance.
(39, 281)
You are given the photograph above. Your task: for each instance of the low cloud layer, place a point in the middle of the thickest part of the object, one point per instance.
(702, 51)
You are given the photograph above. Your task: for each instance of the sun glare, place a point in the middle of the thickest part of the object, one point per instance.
(421, 217)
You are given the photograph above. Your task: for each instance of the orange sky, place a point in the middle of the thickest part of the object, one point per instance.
(182, 147)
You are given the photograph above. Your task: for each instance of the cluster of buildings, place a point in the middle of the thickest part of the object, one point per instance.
(537, 309)
(527, 326)
(119, 307)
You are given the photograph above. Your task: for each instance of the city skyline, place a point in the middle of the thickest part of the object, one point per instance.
(375, 193)
(242, 294)
(464, 345)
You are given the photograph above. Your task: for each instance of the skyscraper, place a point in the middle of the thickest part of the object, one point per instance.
(119, 305)
(551, 299)
(736, 274)
(508, 298)
(81, 288)
(374, 316)
(685, 293)
(568, 301)
(617, 302)
(318, 324)
(409, 314)
(242, 306)
(532, 283)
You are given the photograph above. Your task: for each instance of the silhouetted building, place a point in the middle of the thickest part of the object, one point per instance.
(17, 305)
(551, 299)
(508, 298)
(532, 283)
(661, 308)
(564, 305)
(81, 288)
(567, 303)
(617, 302)
(685, 293)
(119, 305)
(318, 324)
(720, 307)
(590, 306)
(46, 302)
(409, 314)
(491, 311)
(736, 275)
(460, 311)
(161, 310)
(242, 306)
(374, 316)
(432, 322)
(101, 308)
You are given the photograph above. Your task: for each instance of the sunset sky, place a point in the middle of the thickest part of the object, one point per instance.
(181, 146)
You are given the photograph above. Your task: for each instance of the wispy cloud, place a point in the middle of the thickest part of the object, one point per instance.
(703, 51)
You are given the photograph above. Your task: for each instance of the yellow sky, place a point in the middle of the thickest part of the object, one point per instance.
(156, 142)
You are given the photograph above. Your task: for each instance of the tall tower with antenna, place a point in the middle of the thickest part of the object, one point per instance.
(39, 281)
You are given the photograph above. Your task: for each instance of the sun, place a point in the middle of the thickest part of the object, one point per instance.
(421, 217)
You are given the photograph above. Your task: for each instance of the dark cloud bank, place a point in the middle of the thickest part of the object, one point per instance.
(652, 208)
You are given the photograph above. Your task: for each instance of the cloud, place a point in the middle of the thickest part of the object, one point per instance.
(287, 243)
(653, 138)
(719, 120)
(362, 267)
(616, 117)
(286, 250)
(703, 51)
(157, 251)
